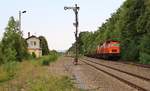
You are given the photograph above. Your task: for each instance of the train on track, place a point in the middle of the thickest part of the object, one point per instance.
(108, 50)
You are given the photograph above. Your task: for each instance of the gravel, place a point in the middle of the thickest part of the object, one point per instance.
(86, 77)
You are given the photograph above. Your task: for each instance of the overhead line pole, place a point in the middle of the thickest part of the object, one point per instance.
(76, 24)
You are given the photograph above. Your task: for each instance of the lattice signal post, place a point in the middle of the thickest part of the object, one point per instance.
(76, 24)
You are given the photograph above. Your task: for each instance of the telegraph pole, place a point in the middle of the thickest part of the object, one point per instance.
(76, 24)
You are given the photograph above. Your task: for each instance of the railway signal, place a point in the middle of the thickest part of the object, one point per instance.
(76, 24)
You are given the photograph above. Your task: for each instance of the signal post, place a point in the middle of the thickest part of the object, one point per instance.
(76, 24)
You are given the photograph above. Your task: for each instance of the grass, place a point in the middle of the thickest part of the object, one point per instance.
(8, 71)
(32, 76)
(51, 83)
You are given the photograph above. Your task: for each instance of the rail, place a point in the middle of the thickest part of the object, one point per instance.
(136, 86)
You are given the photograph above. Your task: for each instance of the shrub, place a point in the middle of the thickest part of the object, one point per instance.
(33, 55)
(45, 60)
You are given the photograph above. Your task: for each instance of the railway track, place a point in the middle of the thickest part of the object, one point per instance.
(138, 76)
(135, 81)
(135, 64)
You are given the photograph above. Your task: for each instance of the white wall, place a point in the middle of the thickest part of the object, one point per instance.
(31, 43)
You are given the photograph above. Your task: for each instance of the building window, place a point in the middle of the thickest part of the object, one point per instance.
(34, 43)
(31, 43)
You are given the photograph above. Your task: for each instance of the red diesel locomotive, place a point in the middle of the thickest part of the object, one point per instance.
(108, 50)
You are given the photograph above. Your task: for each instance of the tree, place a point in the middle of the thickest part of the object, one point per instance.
(131, 25)
(145, 49)
(130, 36)
(44, 45)
(143, 27)
(13, 44)
(1, 55)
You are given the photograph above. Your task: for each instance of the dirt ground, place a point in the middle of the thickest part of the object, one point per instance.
(86, 77)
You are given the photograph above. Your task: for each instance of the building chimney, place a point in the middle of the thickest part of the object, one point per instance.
(28, 34)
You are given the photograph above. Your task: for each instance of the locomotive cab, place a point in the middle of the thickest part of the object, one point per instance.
(108, 50)
(114, 47)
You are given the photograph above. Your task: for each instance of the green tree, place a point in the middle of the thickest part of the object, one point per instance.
(44, 45)
(130, 37)
(143, 27)
(1, 55)
(145, 49)
(130, 25)
(13, 44)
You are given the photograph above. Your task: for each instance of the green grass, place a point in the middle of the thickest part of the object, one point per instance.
(51, 83)
(8, 71)
(32, 76)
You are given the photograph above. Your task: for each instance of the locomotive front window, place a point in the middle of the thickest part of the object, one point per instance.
(115, 44)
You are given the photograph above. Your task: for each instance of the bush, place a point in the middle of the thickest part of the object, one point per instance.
(33, 55)
(45, 60)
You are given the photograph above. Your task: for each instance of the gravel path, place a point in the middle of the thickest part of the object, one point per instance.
(86, 77)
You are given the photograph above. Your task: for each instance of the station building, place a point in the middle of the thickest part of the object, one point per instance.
(34, 45)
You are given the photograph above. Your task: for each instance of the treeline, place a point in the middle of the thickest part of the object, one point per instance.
(13, 47)
(130, 25)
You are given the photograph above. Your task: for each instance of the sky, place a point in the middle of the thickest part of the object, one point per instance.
(49, 19)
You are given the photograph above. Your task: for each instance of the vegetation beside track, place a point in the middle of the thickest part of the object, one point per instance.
(21, 71)
(130, 25)
(33, 76)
